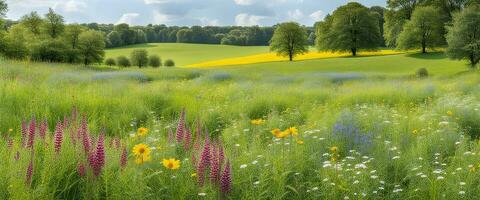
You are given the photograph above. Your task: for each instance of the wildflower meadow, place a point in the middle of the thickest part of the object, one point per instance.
(239, 100)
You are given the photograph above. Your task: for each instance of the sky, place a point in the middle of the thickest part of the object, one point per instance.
(184, 12)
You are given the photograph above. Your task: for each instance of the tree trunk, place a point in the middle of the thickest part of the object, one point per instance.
(472, 61)
(354, 51)
(290, 55)
(424, 47)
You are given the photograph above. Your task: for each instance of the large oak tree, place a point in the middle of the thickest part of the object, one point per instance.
(425, 29)
(463, 36)
(351, 28)
(289, 39)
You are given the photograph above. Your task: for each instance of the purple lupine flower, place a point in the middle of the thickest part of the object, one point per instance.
(117, 142)
(81, 169)
(188, 138)
(73, 138)
(181, 127)
(123, 158)
(204, 162)
(91, 159)
(31, 133)
(58, 137)
(24, 133)
(226, 180)
(86, 141)
(83, 128)
(221, 153)
(99, 156)
(43, 129)
(66, 122)
(214, 166)
(28, 177)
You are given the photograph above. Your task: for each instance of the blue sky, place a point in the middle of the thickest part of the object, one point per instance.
(185, 12)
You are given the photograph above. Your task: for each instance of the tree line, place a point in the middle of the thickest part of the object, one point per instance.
(49, 39)
(123, 34)
(404, 24)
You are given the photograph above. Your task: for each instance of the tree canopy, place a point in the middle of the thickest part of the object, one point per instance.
(289, 39)
(55, 23)
(3, 8)
(350, 28)
(139, 57)
(91, 45)
(463, 36)
(425, 29)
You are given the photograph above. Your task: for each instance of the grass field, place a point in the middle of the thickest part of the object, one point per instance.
(333, 128)
(186, 54)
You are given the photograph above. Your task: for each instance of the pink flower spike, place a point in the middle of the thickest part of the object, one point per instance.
(226, 180)
(123, 158)
(99, 156)
(43, 129)
(31, 133)
(81, 170)
(28, 178)
(181, 127)
(58, 137)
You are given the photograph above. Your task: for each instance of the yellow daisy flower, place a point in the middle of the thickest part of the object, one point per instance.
(257, 121)
(415, 131)
(333, 149)
(449, 113)
(300, 142)
(142, 131)
(141, 150)
(171, 163)
(293, 131)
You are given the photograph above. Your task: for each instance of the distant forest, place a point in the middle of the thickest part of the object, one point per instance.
(124, 34)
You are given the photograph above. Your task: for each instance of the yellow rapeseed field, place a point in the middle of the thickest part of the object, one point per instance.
(273, 57)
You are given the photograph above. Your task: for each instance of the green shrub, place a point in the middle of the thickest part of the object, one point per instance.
(169, 63)
(422, 73)
(123, 61)
(110, 62)
(139, 57)
(154, 61)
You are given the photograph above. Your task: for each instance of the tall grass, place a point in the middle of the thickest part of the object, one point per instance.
(359, 136)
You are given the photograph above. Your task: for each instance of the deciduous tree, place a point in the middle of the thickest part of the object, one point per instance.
(425, 29)
(54, 23)
(289, 39)
(463, 36)
(350, 28)
(91, 45)
(33, 22)
(139, 57)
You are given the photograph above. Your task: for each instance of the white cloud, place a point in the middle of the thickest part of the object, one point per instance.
(209, 22)
(295, 14)
(156, 1)
(244, 2)
(70, 6)
(317, 15)
(128, 18)
(160, 18)
(244, 19)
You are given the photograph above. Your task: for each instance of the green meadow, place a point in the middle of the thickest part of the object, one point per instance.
(185, 54)
(356, 128)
